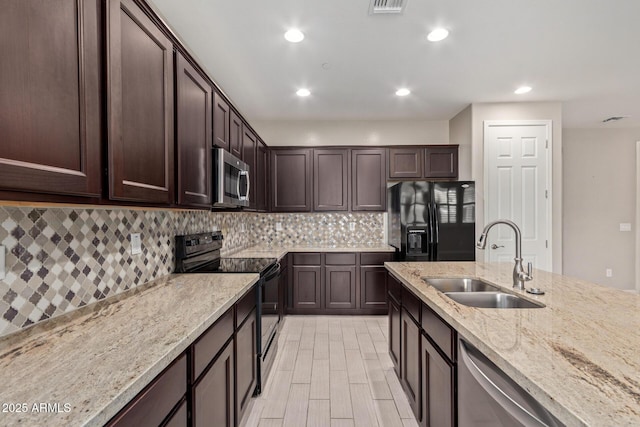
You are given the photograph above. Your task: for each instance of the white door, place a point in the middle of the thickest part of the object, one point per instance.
(518, 188)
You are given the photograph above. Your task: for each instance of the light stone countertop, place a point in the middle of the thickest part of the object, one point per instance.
(98, 358)
(279, 251)
(579, 356)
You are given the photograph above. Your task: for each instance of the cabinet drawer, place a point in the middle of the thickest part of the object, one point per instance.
(155, 403)
(306, 259)
(395, 289)
(375, 258)
(211, 342)
(340, 259)
(439, 331)
(411, 303)
(245, 305)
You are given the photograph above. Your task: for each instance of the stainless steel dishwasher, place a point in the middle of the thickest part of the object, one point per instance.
(488, 397)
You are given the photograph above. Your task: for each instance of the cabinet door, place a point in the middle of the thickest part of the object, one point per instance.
(249, 147)
(261, 192)
(246, 360)
(291, 175)
(410, 365)
(395, 334)
(194, 135)
(441, 161)
(221, 122)
(179, 418)
(373, 287)
(340, 287)
(405, 163)
(140, 106)
(307, 292)
(235, 135)
(438, 379)
(368, 180)
(330, 180)
(214, 396)
(50, 96)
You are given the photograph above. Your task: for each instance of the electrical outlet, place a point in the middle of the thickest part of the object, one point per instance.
(214, 228)
(352, 226)
(243, 227)
(136, 244)
(2, 259)
(278, 226)
(625, 226)
(609, 272)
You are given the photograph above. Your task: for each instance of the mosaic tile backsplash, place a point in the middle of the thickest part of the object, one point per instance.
(61, 259)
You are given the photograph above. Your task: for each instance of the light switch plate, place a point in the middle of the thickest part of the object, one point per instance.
(278, 226)
(352, 226)
(136, 244)
(2, 262)
(625, 226)
(609, 272)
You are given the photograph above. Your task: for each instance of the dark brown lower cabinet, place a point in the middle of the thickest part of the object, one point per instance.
(438, 379)
(410, 364)
(395, 331)
(307, 291)
(214, 396)
(340, 287)
(158, 400)
(179, 418)
(373, 287)
(246, 358)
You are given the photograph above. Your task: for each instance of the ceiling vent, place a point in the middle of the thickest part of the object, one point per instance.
(387, 6)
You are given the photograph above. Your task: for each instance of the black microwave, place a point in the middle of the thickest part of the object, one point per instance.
(231, 183)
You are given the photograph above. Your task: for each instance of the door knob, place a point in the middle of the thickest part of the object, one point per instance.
(494, 246)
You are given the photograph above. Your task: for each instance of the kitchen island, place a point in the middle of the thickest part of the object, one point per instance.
(578, 355)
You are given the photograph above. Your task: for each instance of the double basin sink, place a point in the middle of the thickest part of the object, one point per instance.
(478, 293)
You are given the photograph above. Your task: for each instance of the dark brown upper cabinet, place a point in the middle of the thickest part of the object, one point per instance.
(261, 192)
(249, 147)
(368, 179)
(221, 122)
(139, 106)
(291, 176)
(441, 161)
(50, 97)
(330, 180)
(193, 121)
(235, 134)
(405, 162)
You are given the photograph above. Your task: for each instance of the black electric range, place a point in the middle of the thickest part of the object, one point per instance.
(200, 253)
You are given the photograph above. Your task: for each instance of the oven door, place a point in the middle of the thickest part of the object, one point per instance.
(231, 180)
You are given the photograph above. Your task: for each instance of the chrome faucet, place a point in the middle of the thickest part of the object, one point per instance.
(519, 275)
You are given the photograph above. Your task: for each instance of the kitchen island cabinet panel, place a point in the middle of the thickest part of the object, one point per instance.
(410, 364)
(438, 387)
(193, 121)
(395, 331)
(214, 397)
(139, 106)
(50, 102)
(246, 360)
(156, 402)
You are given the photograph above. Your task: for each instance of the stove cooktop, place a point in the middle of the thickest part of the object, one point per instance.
(237, 265)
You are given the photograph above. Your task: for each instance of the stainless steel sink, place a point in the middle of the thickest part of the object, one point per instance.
(491, 300)
(460, 284)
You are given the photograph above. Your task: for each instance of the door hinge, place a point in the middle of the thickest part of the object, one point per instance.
(546, 244)
(546, 144)
(546, 194)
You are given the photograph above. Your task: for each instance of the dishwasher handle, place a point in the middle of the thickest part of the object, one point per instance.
(497, 394)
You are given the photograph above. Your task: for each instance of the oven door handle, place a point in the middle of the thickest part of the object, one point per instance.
(272, 272)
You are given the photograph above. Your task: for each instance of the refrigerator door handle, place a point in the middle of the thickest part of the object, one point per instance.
(436, 224)
(429, 224)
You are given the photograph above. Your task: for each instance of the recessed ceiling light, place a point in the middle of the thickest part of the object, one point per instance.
(522, 89)
(403, 91)
(437, 35)
(303, 92)
(294, 36)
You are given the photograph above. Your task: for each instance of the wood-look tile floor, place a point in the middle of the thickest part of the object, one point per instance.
(332, 371)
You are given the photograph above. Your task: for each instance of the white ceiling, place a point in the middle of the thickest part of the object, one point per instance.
(584, 53)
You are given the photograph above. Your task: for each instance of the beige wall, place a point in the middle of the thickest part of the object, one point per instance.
(352, 132)
(520, 111)
(599, 194)
(460, 132)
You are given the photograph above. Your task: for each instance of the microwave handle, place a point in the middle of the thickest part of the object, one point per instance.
(245, 173)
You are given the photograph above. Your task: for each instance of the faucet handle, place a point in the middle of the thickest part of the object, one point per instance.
(529, 271)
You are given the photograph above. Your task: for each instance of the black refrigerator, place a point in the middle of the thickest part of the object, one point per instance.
(432, 221)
